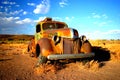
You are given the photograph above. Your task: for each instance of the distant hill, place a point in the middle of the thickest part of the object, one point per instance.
(4, 37)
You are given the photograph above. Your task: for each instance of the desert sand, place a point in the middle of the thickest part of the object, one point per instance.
(16, 64)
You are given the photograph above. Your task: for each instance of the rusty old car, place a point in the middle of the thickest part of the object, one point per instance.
(54, 40)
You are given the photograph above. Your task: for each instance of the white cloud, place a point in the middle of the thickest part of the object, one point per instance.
(8, 6)
(100, 24)
(43, 7)
(6, 13)
(98, 16)
(115, 31)
(19, 22)
(63, 3)
(14, 21)
(6, 9)
(31, 4)
(17, 18)
(110, 34)
(11, 25)
(67, 18)
(24, 13)
(8, 22)
(1, 7)
(3, 14)
(12, 3)
(101, 20)
(25, 21)
(105, 16)
(7, 2)
(40, 19)
(8, 19)
(17, 5)
(16, 12)
(57, 18)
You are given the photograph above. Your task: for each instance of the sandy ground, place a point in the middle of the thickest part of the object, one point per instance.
(16, 64)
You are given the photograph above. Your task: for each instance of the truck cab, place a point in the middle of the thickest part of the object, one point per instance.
(48, 28)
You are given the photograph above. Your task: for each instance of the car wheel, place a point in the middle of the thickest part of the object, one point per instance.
(42, 59)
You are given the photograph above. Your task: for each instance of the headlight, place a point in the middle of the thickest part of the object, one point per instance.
(74, 33)
(56, 39)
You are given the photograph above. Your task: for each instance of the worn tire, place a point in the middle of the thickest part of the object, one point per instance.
(37, 50)
(42, 59)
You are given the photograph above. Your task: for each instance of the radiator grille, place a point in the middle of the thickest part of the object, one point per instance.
(71, 46)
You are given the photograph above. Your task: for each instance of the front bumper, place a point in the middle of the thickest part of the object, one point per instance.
(69, 56)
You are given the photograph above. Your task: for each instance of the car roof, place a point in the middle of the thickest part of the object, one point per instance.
(49, 20)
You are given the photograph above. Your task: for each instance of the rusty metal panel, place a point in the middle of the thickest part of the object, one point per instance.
(71, 46)
(67, 46)
(76, 46)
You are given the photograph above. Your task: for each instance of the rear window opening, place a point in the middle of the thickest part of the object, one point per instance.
(59, 25)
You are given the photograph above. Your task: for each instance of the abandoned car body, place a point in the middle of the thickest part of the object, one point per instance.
(54, 40)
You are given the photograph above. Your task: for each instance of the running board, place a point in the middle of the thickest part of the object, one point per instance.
(69, 56)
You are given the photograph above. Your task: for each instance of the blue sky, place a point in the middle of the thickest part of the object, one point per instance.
(97, 19)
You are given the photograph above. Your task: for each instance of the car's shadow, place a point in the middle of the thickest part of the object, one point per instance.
(101, 54)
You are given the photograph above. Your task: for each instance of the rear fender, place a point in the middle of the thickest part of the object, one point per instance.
(31, 47)
(44, 47)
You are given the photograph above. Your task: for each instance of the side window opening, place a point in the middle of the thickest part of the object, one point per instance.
(38, 29)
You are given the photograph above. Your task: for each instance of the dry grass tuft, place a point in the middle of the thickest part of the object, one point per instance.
(91, 65)
(45, 68)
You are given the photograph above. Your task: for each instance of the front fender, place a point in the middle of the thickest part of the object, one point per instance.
(86, 47)
(44, 47)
